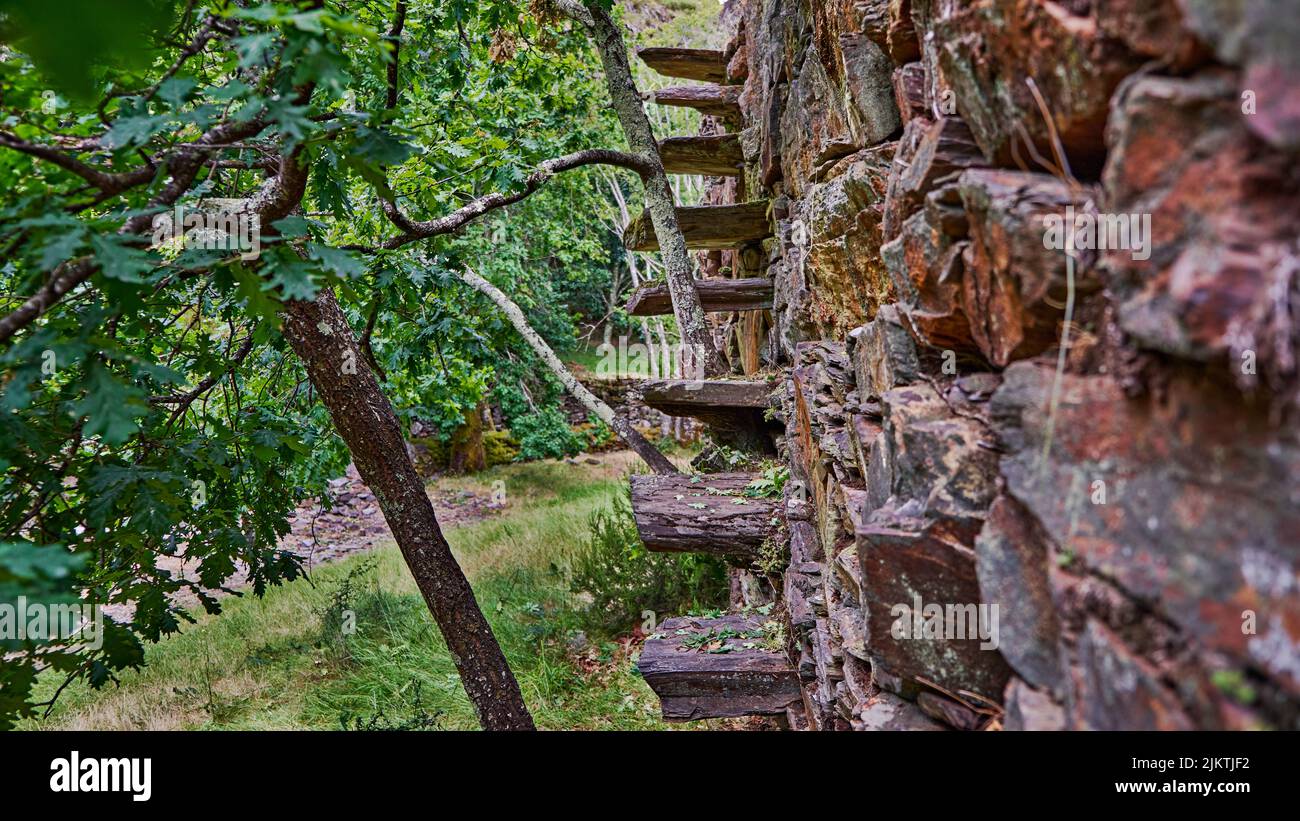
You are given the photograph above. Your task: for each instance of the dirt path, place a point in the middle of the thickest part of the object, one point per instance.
(353, 523)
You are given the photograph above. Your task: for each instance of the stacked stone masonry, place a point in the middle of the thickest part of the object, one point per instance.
(1111, 504)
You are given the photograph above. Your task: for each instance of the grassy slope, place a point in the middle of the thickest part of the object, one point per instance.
(270, 663)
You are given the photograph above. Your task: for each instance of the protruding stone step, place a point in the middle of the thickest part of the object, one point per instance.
(717, 295)
(686, 397)
(718, 668)
(705, 513)
(699, 64)
(706, 227)
(715, 155)
(733, 409)
(712, 100)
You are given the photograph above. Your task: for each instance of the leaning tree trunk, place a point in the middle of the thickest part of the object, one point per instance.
(337, 367)
(619, 424)
(688, 310)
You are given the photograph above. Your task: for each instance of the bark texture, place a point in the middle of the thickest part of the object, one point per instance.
(753, 294)
(701, 514)
(320, 335)
(699, 676)
(701, 65)
(705, 227)
(716, 155)
(713, 101)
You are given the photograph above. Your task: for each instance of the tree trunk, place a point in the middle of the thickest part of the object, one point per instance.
(619, 424)
(467, 454)
(666, 423)
(319, 333)
(695, 332)
(651, 348)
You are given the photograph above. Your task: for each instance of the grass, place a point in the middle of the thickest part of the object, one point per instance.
(284, 662)
(634, 362)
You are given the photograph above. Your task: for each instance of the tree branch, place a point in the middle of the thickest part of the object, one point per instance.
(183, 401)
(574, 10)
(274, 201)
(108, 183)
(394, 36)
(619, 424)
(413, 230)
(660, 201)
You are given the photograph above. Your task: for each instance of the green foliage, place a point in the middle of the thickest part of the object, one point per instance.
(156, 408)
(768, 484)
(338, 615)
(598, 435)
(500, 447)
(624, 580)
(419, 717)
(545, 435)
(73, 45)
(1235, 685)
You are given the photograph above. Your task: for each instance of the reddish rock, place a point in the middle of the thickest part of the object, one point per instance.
(844, 273)
(888, 712)
(1224, 215)
(925, 267)
(884, 355)
(910, 89)
(738, 60)
(1012, 560)
(906, 560)
(1261, 37)
(988, 50)
(840, 100)
(928, 152)
(1014, 287)
(1029, 709)
(1155, 29)
(801, 583)
(1188, 501)
(901, 35)
(953, 713)
(1114, 689)
(938, 455)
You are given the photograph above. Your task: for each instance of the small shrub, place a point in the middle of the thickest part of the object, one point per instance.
(545, 435)
(716, 458)
(431, 455)
(770, 483)
(624, 580)
(338, 619)
(599, 436)
(418, 718)
(501, 448)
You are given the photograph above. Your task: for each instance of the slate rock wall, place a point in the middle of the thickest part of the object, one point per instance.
(1131, 506)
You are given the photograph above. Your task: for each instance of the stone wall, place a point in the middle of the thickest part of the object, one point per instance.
(623, 395)
(1131, 505)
